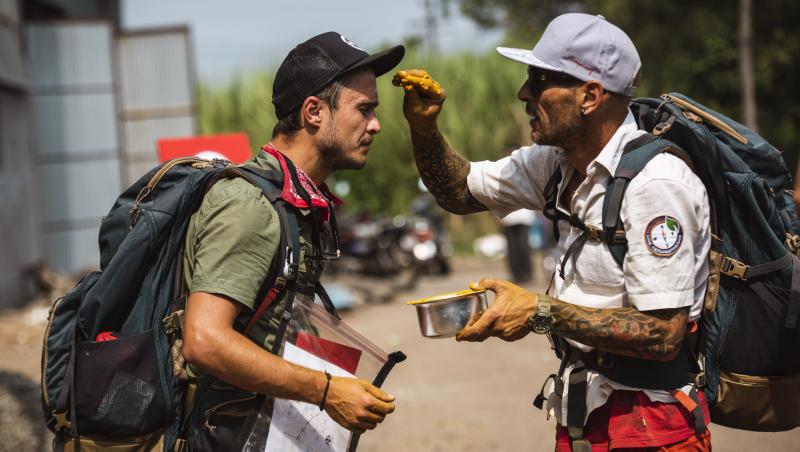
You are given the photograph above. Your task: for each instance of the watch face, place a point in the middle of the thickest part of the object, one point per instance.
(541, 324)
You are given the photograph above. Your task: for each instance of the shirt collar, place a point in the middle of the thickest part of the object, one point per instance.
(611, 153)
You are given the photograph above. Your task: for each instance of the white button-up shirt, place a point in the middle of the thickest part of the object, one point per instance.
(665, 213)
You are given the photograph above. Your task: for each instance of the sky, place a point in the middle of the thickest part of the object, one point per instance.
(239, 36)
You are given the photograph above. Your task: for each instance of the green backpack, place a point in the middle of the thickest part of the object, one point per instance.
(131, 388)
(748, 341)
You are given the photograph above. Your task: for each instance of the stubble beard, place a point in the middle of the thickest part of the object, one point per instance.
(333, 154)
(562, 133)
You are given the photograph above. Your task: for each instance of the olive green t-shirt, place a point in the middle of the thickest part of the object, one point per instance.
(230, 243)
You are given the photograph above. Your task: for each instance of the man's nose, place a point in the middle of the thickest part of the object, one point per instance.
(374, 126)
(524, 92)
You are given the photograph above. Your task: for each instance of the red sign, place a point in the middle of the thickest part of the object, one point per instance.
(234, 147)
(343, 356)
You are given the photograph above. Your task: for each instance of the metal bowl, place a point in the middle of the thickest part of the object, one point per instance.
(445, 315)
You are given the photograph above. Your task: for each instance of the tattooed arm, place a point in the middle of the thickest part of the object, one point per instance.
(444, 173)
(655, 335)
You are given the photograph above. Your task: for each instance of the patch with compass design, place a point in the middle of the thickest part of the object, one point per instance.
(663, 236)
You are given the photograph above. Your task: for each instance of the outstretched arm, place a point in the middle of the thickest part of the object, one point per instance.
(442, 169)
(444, 172)
(656, 334)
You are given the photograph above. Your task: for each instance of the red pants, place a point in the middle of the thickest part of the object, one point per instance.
(629, 421)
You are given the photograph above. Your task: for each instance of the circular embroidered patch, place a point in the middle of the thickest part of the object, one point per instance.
(663, 236)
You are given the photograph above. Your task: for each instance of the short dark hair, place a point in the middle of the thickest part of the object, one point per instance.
(290, 124)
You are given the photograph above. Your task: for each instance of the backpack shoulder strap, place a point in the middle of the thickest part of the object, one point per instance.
(270, 181)
(283, 269)
(636, 155)
(550, 210)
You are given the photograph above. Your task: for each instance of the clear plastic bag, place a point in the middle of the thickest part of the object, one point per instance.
(318, 340)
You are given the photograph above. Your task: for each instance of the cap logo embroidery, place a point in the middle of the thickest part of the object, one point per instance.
(351, 43)
(663, 236)
(577, 63)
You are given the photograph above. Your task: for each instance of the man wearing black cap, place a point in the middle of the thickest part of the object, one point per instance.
(325, 98)
(626, 380)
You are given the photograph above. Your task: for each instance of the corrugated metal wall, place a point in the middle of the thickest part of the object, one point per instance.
(156, 82)
(12, 72)
(18, 213)
(76, 139)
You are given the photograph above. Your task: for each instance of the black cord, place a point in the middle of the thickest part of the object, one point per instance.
(301, 191)
(325, 393)
(320, 251)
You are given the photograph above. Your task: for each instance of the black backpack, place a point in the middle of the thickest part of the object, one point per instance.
(132, 387)
(749, 336)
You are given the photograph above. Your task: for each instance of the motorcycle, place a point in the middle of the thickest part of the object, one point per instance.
(371, 248)
(401, 248)
(426, 242)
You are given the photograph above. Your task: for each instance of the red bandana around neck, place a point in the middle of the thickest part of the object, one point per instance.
(321, 196)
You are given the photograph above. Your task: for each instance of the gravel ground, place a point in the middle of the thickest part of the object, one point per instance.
(477, 396)
(450, 396)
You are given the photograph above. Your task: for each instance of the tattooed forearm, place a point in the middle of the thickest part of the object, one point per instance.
(444, 173)
(653, 335)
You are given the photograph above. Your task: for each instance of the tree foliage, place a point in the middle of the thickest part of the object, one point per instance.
(688, 46)
(481, 118)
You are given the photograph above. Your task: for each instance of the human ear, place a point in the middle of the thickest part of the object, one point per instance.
(591, 97)
(310, 109)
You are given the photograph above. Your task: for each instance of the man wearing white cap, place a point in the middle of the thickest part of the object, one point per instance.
(627, 375)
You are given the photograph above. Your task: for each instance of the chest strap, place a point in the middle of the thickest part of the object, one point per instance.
(588, 232)
(612, 231)
(633, 372)
(643, 373)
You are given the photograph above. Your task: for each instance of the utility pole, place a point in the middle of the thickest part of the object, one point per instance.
(745, 33)
(431, 27)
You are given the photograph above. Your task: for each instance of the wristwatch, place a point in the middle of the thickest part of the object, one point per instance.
(541, 320)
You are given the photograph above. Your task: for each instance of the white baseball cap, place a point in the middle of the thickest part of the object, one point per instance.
(586, 47)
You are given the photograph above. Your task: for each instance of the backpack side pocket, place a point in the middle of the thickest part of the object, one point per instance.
(117, 386)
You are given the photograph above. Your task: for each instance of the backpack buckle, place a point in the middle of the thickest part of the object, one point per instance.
(62, 422)
(173, 323)
(734, 268)
(661, 128)
(290, 267)
(792, 243)
(594, 233)
(290, 271)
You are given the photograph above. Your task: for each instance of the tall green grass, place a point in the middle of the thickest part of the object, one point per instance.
(482, 119)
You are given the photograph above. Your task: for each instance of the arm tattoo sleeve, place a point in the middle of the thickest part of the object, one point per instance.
(655, 334)
(444, 172)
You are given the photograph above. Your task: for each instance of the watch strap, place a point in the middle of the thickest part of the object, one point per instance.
(543, 305)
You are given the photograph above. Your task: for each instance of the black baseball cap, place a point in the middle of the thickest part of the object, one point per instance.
(312, 65)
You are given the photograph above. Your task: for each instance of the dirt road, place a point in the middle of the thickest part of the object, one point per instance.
(477, 397)
(450, 396)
